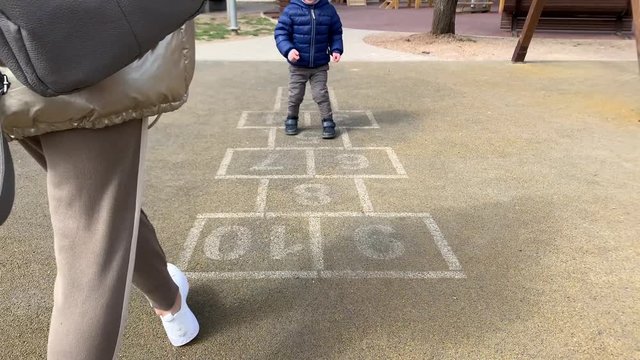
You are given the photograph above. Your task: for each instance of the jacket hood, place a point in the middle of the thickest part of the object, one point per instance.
(303, 4)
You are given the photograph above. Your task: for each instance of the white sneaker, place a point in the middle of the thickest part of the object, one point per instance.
(181, 327)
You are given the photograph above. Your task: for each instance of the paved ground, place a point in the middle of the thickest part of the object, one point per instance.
(264, 49)
(469, 210)
(487, 49)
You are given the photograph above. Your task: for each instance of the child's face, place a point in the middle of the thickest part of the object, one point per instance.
(310, 2)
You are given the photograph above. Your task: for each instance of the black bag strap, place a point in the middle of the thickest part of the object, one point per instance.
(7, 176)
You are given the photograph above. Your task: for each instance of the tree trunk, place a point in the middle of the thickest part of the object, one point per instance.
(444, 17)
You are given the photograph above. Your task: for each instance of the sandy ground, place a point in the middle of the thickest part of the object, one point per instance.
(495, 48)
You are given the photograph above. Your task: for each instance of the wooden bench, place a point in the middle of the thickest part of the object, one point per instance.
(571, 15)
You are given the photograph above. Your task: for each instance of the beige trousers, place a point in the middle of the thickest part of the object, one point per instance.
(103, 241)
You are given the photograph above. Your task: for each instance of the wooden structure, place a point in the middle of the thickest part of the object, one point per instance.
(535, 12)
(395, 4)
(570, 15)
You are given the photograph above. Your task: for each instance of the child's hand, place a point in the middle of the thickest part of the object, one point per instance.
(294, 55)
(336, 56)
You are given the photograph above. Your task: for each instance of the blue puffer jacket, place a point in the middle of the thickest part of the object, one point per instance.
(314, 30)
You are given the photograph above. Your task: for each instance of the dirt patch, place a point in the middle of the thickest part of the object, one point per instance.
(493, 48)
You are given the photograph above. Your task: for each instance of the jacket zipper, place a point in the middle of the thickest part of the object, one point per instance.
(313, 36)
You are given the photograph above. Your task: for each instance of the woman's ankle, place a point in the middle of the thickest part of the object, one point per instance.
(176, 307)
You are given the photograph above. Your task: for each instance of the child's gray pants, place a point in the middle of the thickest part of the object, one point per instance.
(317, 78)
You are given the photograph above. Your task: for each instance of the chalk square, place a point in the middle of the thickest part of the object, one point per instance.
(380, 244)
(348, 119)
(265, 162)
(307, 137)
(355, 162)
(262, 119)
(252, 245)
(299, 196)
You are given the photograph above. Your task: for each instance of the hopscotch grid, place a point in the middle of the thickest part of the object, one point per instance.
(226, 161)
(311, 163)
(243, 120)
(271, 118)
(307, 118)
(442, 244)
(311, 214)
(251, 275)
(324, 274)
(230, 215)
(255, 127)
(363, 194)
(305, 111)
(315, 233)
(237, 177)
(371, 176)
(393, 157)
(271, 142)
(277, 106)
(349, 274)
(192, 241)
(314, 218)
(334, 99)
(347, 176)
(385, 148)
(374, 122)
(261, 201)
(346, 141)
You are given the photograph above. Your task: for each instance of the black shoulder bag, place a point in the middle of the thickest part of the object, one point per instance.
(56, 47)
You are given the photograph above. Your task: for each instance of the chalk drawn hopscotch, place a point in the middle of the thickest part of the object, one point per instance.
(313, 215)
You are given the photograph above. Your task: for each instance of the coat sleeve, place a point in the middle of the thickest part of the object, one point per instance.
(284, 32)
(336, 33)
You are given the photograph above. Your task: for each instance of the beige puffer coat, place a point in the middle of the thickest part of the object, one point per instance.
(154, 84)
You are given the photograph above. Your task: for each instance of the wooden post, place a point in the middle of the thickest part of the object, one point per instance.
(635, 7)
(527, 32)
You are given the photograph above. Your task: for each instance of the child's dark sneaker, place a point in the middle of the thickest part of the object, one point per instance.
(328, 129)
(291, 126)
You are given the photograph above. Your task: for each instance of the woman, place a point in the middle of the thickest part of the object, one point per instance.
(91, 144)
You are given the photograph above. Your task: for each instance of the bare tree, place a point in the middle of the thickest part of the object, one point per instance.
(444, 17)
